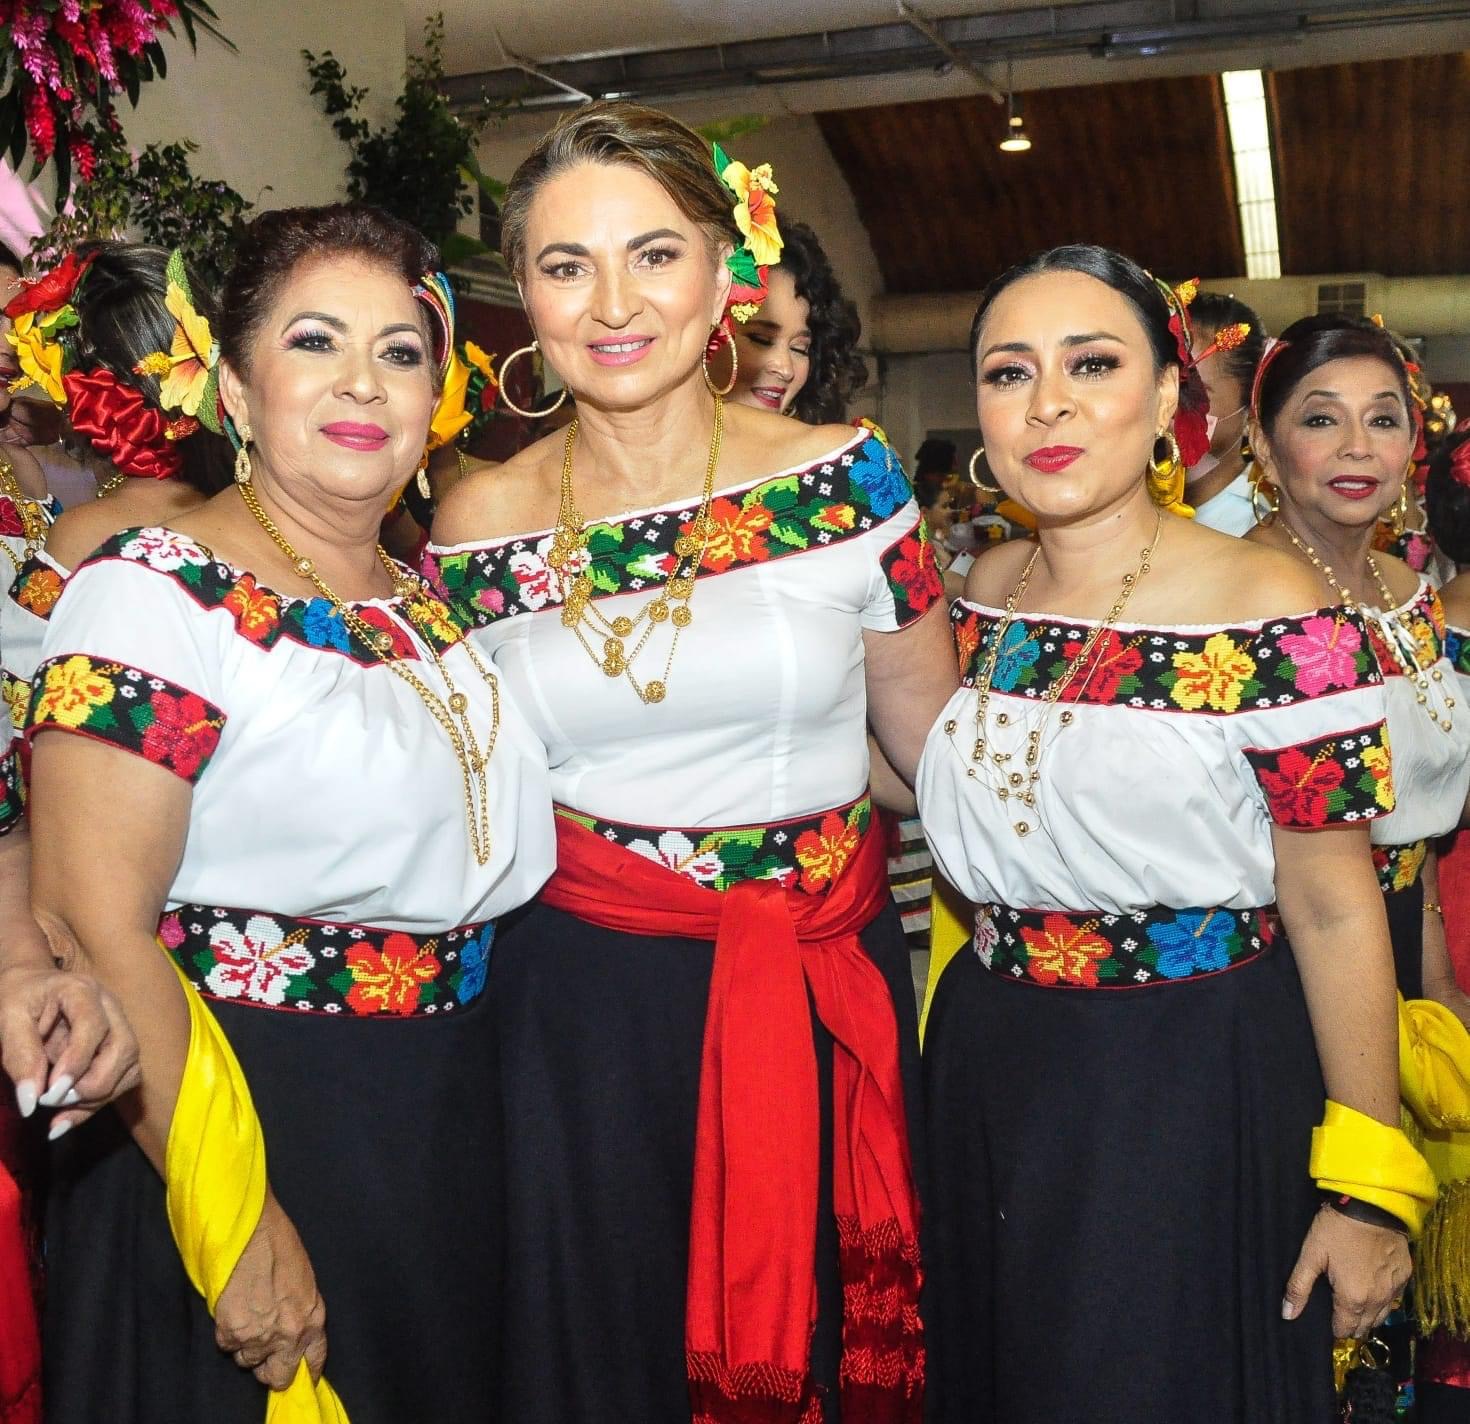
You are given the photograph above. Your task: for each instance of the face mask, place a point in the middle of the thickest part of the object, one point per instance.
(1209, 460)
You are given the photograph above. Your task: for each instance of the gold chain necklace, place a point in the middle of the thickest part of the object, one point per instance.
(472, 761)
(33, 522)
(1022, 785)
(671, 604)
(1399, 637)
(112, 482)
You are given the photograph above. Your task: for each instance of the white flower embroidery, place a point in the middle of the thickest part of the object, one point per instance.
(255, 963)
(163, 549)
(676, 851)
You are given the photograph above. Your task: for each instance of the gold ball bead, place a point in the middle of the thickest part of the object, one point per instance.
(684, 546)
(658, 611)
(950, 727)
(383, 642)
(458, 703)
(682, 617)
(622, 626)
(654, 691)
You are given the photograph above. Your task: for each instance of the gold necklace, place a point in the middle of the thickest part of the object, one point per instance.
(1022, 785)
(472, 761)
(672, 602)
(1399, 637)
(112, 482)
(33, 521)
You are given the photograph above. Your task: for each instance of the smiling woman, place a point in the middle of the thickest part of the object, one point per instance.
(702, 600)
(1160, 734)
(319, 799)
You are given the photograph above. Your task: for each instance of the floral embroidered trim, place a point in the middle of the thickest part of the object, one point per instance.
(1219, 670)
(805, 854)
(1346, 777)
(1426, 624)
(263, 616)
(12, 798)
(840, 497)
(1084, 949)
(1399, 867)
(1457, 649)
(274, 961)
(913, 573)
(37, 587)
(129, 708)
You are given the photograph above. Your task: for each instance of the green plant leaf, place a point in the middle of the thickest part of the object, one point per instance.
(459, 246)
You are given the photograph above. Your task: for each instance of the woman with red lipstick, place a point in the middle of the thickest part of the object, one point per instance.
(1160, 734)
(798, 354)
(1334, 431)
(316, 802)
(707, 1027)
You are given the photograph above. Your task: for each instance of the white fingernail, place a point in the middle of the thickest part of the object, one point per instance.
(53, 1095)
(71, 1099)
(59, 1128)
(1288, 1310)
(25, 1097)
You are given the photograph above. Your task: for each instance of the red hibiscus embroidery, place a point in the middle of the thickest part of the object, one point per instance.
(1110, 661)
(913, 572)
(183, 735)
(823, 854)
(1064, 952)
(1299, 790)
(967, 640)
(257, 612)
(738, 535)
(390, 980)
(10, 522)
(379, 621)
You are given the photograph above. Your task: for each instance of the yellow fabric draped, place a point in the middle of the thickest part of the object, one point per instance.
(951, 923)
(1434, 1082)
(1359, 1156)
(214, 1173)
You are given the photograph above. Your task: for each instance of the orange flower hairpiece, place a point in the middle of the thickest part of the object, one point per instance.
(754, 191)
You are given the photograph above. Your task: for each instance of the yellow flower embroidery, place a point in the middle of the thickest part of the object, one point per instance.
(1214, 677)
(18, 699)
(1379, 761)
(430, 613)
(71, 690)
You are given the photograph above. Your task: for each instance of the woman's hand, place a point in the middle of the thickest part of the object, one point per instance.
(270, 1316)
(1367, 1267)
(64, 1041)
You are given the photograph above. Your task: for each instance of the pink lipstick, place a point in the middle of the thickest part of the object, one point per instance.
(355, 435)
(625, 351)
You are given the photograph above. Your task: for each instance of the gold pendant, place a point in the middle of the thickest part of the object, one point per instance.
(654, 691)
(622, 626)
(679, 587)
(658, 610)
(458, 703)
(613, 666)
(682, 616)
(684, 545)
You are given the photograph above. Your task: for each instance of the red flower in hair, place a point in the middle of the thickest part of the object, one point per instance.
(1192, 434)
(121, 424)
(1460, 464)
(50, 292)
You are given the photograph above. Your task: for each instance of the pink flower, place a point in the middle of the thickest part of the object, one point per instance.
(492, 600)
(170, 931)
(1325, 654)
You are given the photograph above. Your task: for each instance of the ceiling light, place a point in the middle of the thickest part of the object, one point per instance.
(1015, 140)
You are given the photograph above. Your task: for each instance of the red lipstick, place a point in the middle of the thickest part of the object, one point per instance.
(1052, 458)
(1353, 486)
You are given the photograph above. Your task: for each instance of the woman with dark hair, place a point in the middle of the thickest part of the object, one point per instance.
(706, 1021)
(319, 799)
(1219, 484)
(798, 353)
(1125, 1076)
(113, 311)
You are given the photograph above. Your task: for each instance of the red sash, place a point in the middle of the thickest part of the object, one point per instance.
(752, 1233)
(20, 1341)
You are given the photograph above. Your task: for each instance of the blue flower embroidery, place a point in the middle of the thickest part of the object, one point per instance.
(1454, 645)
(324, 627)
(1193, 942)
(1018, 653)
(474, 960)
(880, 477)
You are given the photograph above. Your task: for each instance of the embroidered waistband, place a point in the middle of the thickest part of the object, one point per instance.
(1089, 950)
(805, 854)
(1399, 866)
(278, 962)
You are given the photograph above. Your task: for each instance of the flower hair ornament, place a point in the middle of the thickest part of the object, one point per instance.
(188, 371)
(1460, 464)
(754, 191)
(450, 415)
(116, 418)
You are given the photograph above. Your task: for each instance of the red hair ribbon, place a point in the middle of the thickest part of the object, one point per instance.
(135, 436)
(1460, 464)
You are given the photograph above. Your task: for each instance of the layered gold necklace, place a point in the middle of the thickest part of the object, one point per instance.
(1396, 622)
(452, 715)
(1019, 785)
(32, 518)
(603, 638)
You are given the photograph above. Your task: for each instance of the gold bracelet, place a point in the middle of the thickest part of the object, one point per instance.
(1432, 907)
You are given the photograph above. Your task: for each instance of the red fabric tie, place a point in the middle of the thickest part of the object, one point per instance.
(752, 1234)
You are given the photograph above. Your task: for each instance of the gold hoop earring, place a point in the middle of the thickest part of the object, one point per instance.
(1264, 493)
(974, 479)
(242, 456)
(421, 479)
(555, 406)
(710, 347)
(1166, 477)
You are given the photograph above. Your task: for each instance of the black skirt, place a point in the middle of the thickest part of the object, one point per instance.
(382, 1145)
(601, 1034)
(1119, 1194)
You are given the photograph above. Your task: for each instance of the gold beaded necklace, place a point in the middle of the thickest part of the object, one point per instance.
(1395, 623)
(1018, 785)
(670, 604)
(33, 522)
(473, 762)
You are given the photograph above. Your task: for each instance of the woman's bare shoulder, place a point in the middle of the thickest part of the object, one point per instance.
(996, 572)
(1246, 580)
(496, 500)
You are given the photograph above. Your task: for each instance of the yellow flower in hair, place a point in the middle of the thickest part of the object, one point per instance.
(191, 358)
(450, 416)
(40, 358)
(482, 363)
(755, 210)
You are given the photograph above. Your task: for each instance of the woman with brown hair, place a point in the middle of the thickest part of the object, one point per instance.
(707, 1021)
